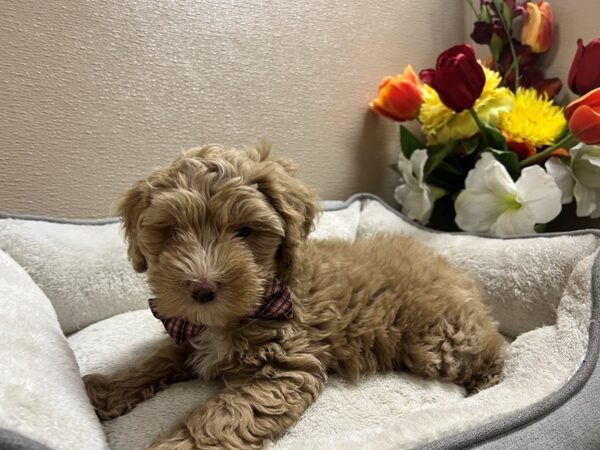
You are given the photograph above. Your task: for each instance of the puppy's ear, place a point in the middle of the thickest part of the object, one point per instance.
(129, 207)
(296, 204)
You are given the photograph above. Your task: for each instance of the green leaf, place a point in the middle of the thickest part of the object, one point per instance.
(540, 227)
(509, 160)
(507, 14)
(449, 168)
(445, 183)
(494, 137)
(447, 177)
(471, 144)
(496, 45)
(394, 167)
(409, 142)
(485, 14)
(435, 158)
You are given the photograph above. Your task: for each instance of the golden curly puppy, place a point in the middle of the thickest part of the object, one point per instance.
(222, 235)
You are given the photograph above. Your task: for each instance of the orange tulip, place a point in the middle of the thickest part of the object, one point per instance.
(399, 98)
(561, 152)
(583, 116)
(523, 150)
(538, 28)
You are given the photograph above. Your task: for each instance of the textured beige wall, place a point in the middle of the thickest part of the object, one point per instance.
(574, 20)
(94, 94)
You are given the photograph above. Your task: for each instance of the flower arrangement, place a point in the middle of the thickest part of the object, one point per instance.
(495, 145)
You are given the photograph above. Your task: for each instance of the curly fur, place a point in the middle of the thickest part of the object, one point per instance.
(386, 303)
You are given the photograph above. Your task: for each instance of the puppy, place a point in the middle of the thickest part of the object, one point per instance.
(222, 235)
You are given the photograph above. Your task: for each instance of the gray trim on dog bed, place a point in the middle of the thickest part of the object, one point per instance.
(10, 440)
(328, 205)
(574, 425)
(493, 432)
(541, 424)
(104, 221)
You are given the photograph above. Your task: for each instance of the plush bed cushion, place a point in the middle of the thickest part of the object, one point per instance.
(539, 288)
(124, 339)
(83, 268)
(41, 393)
(523, 278)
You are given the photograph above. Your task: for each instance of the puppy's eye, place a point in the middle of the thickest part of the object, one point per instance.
(243, 232)
(171, 233)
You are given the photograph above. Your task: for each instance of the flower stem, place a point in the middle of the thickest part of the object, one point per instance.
(513, 52)
(438, 157)
(479, 124)
(474, 10)
(547, 152)
(515, 64)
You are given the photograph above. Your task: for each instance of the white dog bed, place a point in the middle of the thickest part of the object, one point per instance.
(73, 279)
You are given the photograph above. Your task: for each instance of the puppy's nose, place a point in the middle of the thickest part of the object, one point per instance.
(204, 290)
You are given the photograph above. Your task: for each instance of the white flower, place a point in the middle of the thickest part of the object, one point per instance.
(416, 196)
(580, 179)
(492, 202)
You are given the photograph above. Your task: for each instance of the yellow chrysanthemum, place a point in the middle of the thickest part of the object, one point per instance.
(440, 124)
(533, 119)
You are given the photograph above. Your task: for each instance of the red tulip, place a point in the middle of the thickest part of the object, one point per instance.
(538, 29)
(584, 74)
(399, 98)
(483, 32)
(427, 76)
(458, 78)
(583, 116)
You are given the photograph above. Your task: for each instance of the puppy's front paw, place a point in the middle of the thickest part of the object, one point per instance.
(181, 439)
(108, 401)
(178, 439)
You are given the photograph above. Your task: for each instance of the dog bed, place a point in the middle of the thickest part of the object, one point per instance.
(72, 305)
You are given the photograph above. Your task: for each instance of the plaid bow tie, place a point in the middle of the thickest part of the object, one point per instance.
(276, 304)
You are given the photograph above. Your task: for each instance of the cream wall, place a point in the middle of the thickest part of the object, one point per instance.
(94, 94)
(575, 19)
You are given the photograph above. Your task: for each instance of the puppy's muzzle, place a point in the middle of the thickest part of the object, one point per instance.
(203, 291)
